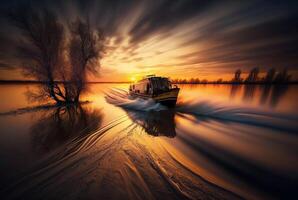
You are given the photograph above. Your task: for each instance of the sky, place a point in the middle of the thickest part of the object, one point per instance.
(178, 39)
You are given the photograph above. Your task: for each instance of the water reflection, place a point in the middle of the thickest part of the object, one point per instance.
(264, 94)
(249, 92)
(278, 91)
(56, 126)
(235, 88)
(245, 150)
(235, 142)
(154, 119)
(155, 123)
(265, 90)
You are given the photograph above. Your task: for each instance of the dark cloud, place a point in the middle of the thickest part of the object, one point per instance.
(4, 66)
(230, 33)
(166, 15)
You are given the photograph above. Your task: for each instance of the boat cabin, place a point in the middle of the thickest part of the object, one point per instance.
(151, 85)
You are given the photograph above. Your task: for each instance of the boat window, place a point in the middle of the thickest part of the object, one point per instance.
(147, 88)
(160, 84)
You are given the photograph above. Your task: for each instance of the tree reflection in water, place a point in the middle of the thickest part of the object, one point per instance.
(278, 91)
(235, 88)
(58, 125)
(269, 94)
(265, 92)
(249, 92)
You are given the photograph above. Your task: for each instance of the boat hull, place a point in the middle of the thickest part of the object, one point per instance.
(171, 103)
(168, 98)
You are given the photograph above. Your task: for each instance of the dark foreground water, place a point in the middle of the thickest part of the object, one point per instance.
(220, 142)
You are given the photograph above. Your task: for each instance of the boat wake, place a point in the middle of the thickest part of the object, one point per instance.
(211, 129)
(122, 99)
(197, 150)
(204, 110)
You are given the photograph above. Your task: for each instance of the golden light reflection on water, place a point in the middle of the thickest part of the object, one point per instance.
(280, 98)
(148, 153)
(12, 97)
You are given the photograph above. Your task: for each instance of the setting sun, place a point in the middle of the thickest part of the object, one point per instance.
(133, 79)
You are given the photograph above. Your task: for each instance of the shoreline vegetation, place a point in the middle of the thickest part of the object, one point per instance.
(272, 76)
(57, 82)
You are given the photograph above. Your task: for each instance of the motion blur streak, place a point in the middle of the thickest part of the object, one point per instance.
(237, 145)
(191, 38)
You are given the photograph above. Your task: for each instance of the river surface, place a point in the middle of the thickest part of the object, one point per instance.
(220, 142)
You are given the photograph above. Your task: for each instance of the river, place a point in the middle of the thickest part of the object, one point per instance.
(220, 142)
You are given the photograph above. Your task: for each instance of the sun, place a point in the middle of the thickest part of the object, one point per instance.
(133, 79)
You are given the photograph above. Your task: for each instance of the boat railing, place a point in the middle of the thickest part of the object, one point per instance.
(150, 75)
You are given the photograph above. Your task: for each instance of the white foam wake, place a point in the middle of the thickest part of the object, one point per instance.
(122, 99)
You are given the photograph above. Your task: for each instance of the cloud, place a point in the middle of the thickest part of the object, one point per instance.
(171, 35)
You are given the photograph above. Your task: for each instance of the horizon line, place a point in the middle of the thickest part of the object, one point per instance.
(36, 81)
(119, 82)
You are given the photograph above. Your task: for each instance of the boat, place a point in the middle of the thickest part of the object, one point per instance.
(157, 88)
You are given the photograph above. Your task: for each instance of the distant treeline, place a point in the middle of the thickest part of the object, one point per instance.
(272, 76)
(58, 82)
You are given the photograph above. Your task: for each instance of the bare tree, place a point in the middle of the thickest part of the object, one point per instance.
(47, 57)
(270, 75)
(253, 75)
(40, 48)
(85, 49)
(237, 77)
(282, 77)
